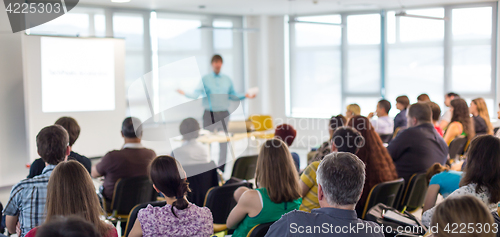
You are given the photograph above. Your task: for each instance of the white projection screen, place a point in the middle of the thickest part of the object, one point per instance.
(78, 77)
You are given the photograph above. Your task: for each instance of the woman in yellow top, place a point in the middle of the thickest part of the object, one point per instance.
(461, 123)
(344, 139)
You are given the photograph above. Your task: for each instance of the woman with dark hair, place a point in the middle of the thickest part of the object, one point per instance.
(481, 174)
(402, 103)
(379, 165)
(73, 226)
(442, 181)
(178, 217)
(461, 123)
(325, 148)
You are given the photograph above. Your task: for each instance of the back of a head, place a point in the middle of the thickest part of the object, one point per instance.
(275, 163)
(385, 104)
(189, 128)
(461, 114)
(420, 111)
(67, 227)
(52, 142)
(403, 100)
(354, 109)
(347, 139)
(436, 111)
(423, 98)
(71, 127)
(453, 94)
(341, 176)
(462, 210)
(436, 168)
(128, 129)
(337, 122)
(169, 177)
(286, 133)
(483, 165)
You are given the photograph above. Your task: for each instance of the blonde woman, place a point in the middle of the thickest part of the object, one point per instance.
(479, 111)
(352, 110)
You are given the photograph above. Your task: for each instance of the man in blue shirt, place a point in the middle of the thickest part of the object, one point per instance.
(217, 90)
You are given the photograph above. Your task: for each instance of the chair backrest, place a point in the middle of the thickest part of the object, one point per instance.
(244, 167)
(386, 138)
(386, 193)
(220, 200)
(133, 214)
(130, 192)
(415, 191)
(259, 230)
(261, 122)
(201, 177)
(457, 146)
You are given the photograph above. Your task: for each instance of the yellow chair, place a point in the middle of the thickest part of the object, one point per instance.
(261, 122)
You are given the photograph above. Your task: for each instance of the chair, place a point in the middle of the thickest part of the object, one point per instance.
(261, 122)
(457, 146)
(133, 214)
(244, 167)
(220, 200)
(386, 193)
(201, 177)
(259, 230)
(414, 194)
(386, 138)
(127, 194)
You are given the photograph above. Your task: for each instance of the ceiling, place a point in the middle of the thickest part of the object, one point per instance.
(273, 7)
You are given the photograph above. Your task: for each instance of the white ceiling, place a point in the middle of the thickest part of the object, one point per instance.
(273, 7)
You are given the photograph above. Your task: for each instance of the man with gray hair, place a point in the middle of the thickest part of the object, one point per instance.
(340, 178)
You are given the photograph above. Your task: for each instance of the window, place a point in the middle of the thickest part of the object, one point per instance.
(77, 22)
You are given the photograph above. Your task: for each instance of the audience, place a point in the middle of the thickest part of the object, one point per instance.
(325, 148)
(481, 174)
(479, 111)
(68, 227)
(436, 114)
(278, 193)
(71, 192)
(497, 134)
(442, 181)
(402, 103)
(463, 211)
(26, 206)
(73, 130)
(341, 177)
(383, 125)
(344, 139)
(379, 165)
(417, 148)
(178, 217)
(352, 110)
(446, 118)
(131, 161)
(287, 133)
(461, 123)
(191, 152)
(423, 98)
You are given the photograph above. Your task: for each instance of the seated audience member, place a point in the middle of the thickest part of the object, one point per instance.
(73, 130)
(497, 134)
(325, 148)
(384, 124)
(379, 165)
(344, 139)
(178, 217)
(352, 110)
(341, 177)
(287, 133)
(461, 123)
(68, 227)
(71, 192)
(191, 152)
(131, 161)
(278, 193)
(479, 111)
(402, 103)
(418, 147)
(26, 206)
(423, 98)
(481, 176)
(462, 211)
(436, 114)
(446, 118)
(442, 181)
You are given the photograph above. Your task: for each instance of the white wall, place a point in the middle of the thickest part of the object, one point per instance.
(13, 153)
